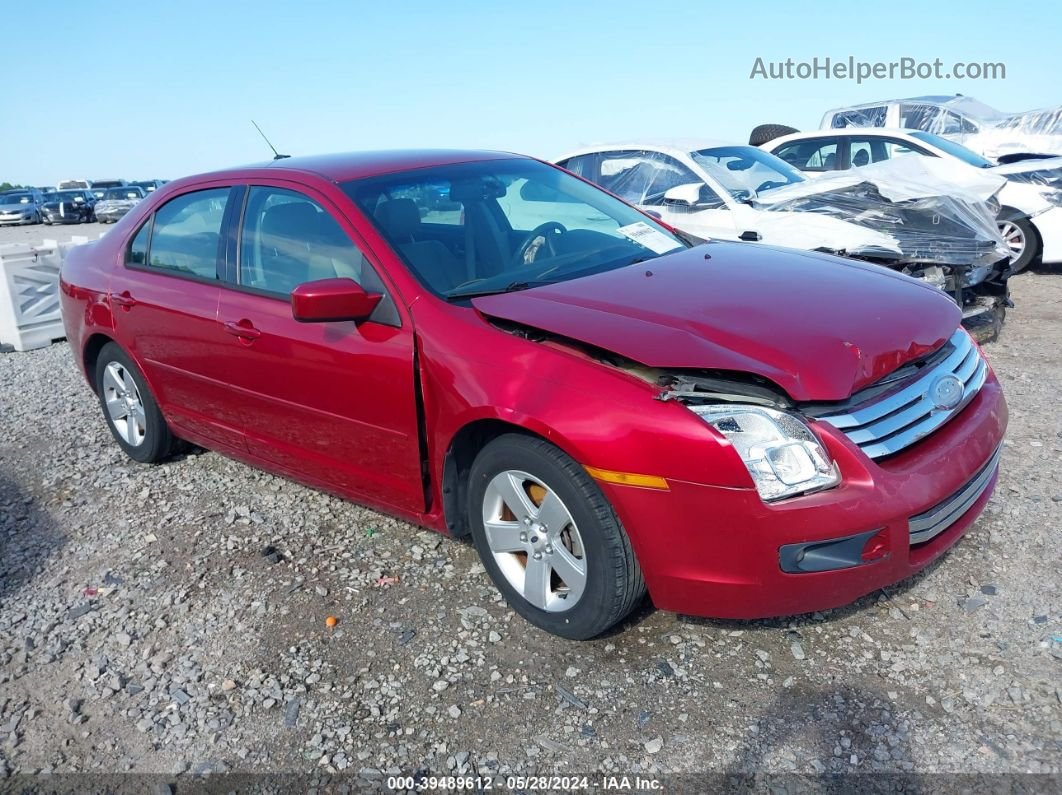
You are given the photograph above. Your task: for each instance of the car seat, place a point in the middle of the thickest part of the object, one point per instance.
(433, 262)
(861, 158)
(292, 243)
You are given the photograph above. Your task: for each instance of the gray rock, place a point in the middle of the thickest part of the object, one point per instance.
(291, 712)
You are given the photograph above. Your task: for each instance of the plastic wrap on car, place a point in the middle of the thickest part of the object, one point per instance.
(927, 210)
(1030, 132)
(1044, 174)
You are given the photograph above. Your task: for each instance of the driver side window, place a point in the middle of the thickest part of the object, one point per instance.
(289, 239)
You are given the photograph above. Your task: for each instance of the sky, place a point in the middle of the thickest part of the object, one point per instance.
(161, 90)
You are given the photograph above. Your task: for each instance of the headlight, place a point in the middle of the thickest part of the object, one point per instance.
(782, 454)
(1052, 195)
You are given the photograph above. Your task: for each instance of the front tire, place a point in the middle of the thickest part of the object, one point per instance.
(550, 540)
(1023, 241)
(129, 408)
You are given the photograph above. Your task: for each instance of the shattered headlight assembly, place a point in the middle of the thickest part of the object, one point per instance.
(781, 452)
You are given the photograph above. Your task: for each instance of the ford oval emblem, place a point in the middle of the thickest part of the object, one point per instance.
(946, 392)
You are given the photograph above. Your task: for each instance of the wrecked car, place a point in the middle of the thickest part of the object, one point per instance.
(1030, 216)
(116, 202)
(605, 407)
(1004, 137)
(738, 192)
(69, 207)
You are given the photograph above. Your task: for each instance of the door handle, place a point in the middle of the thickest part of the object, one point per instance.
(124, 299)
(243, 329)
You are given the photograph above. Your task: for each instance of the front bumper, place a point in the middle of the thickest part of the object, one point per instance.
(55, 218)
(10, 219)
(1049, 225)
(718, 552)
(110, 215)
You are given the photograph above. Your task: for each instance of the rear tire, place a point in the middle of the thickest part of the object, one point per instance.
(768, 132)
(555, 549)
(129, 408)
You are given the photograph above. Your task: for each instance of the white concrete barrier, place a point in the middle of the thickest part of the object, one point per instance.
(29, 293)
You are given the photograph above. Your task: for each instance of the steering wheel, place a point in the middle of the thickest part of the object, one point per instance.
(770, 184)
(541, 231)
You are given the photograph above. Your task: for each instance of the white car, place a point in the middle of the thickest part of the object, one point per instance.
(739, 192)
(980, 127)
(1030, 218)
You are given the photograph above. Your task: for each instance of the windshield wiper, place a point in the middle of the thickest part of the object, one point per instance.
(512, 287)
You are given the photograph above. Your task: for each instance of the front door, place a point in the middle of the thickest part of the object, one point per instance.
(333, 402)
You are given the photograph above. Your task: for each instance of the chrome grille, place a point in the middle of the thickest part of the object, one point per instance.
(936, 520)
(888, 423)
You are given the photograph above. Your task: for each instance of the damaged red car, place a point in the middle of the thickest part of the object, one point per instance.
(485, 344)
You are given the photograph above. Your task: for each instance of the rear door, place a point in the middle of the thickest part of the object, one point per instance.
(336, 401)
(165, 305)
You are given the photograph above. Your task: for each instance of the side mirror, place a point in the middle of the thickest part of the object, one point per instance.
(688, 195)
(330, 300)
(691, 197)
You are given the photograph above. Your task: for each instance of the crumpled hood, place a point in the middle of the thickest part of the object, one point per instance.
(930, 210)
(820, 327)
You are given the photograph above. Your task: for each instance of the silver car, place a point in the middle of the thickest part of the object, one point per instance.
(116, 202)
(19, 208)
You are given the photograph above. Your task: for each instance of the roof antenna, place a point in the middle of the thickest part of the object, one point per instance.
(276, 154)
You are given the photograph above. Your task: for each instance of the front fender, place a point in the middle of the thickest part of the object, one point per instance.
(599, 415)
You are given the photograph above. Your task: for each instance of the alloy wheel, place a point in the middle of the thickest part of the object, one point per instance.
(125, 407)
(534, 541)
(1014, 237)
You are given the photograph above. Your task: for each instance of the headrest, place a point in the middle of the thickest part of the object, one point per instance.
(400, 218)
(298, 220)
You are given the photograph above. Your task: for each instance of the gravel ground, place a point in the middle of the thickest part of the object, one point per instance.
(173, 618)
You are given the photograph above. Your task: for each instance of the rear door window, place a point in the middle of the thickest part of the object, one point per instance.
(818, 154)
(186, 237)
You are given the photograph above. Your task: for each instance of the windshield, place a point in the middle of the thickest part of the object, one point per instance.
(746, 171)
(16, 198)
(953, 149)
(117, 194)
(500, 225)
(68, 195)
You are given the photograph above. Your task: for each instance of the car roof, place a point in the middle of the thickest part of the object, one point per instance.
(345, 166)
(879, 132)
(667, 146)
(960, 103)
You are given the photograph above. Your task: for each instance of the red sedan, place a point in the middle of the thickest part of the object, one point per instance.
(484, 343)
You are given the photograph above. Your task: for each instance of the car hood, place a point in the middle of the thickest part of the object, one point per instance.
(927, 210)
(818, 326)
